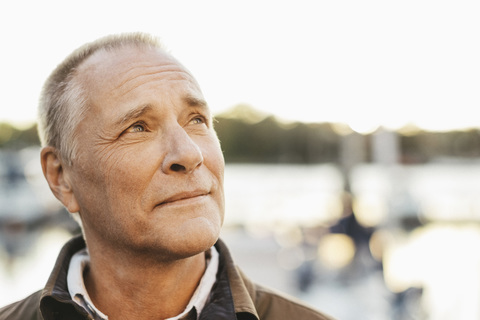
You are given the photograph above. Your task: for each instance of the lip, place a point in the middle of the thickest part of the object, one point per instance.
(184, 196)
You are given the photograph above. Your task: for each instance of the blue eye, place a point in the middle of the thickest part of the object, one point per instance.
(137, 127)
(198, 120)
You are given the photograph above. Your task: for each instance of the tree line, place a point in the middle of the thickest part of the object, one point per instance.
(249, 137)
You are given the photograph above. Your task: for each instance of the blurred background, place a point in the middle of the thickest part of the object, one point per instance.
(350, 132)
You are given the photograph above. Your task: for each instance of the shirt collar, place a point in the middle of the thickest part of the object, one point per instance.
(79, 294)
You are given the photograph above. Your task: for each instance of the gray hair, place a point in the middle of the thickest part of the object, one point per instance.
(64, 100)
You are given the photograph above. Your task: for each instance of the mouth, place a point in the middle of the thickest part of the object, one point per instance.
(184, 197)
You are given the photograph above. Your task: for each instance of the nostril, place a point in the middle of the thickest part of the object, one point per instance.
(177, 167)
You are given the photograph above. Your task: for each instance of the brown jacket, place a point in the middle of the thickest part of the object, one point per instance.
(233, 296)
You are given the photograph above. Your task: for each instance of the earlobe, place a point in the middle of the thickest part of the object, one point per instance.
(58, 179)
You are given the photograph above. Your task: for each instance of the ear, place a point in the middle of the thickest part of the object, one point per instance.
(58, 179)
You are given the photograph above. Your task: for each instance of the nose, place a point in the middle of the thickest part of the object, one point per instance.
(183, 155)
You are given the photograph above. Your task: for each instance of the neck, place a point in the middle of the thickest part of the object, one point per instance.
(135, 287)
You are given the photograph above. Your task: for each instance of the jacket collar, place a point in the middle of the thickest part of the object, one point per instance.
(242, 290)
(55, 301)
(232, 295)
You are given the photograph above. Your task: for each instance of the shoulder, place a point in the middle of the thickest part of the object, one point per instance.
(26, 309)
(252, 299)
(271, 304)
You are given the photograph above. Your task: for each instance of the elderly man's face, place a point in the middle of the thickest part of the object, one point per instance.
(149, 173)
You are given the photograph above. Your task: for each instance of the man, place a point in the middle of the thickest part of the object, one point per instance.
(130, 150)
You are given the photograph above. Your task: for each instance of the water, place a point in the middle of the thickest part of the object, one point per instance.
(425, 228)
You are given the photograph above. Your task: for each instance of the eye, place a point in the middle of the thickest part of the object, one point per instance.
(137, 127)
(198, 120)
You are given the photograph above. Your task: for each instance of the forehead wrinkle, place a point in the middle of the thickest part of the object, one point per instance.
(157, 71)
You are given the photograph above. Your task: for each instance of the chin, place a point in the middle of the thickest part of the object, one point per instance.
(201, 239)
(196, 238)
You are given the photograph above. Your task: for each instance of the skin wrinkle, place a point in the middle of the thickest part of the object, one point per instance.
(109, 154)
(107, 150)
(123, 175)
(189, 98)
(172, 68)
(151, 73)
(104, 146)
(105, 143)
(137, 113)
(110, 158)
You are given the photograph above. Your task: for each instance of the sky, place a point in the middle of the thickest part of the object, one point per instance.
(364, 63)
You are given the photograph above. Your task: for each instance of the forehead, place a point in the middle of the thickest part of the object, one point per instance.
(129, 71)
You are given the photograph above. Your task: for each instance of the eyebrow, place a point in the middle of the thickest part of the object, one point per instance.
(193, 101)
(134, 114)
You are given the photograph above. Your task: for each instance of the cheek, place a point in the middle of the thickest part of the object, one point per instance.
(128, 175)
(123, 162)
(214, 161)
(213, 157)
(111, 160)
(117, 174)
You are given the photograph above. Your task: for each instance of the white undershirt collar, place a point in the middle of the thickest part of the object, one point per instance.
(79, 294)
